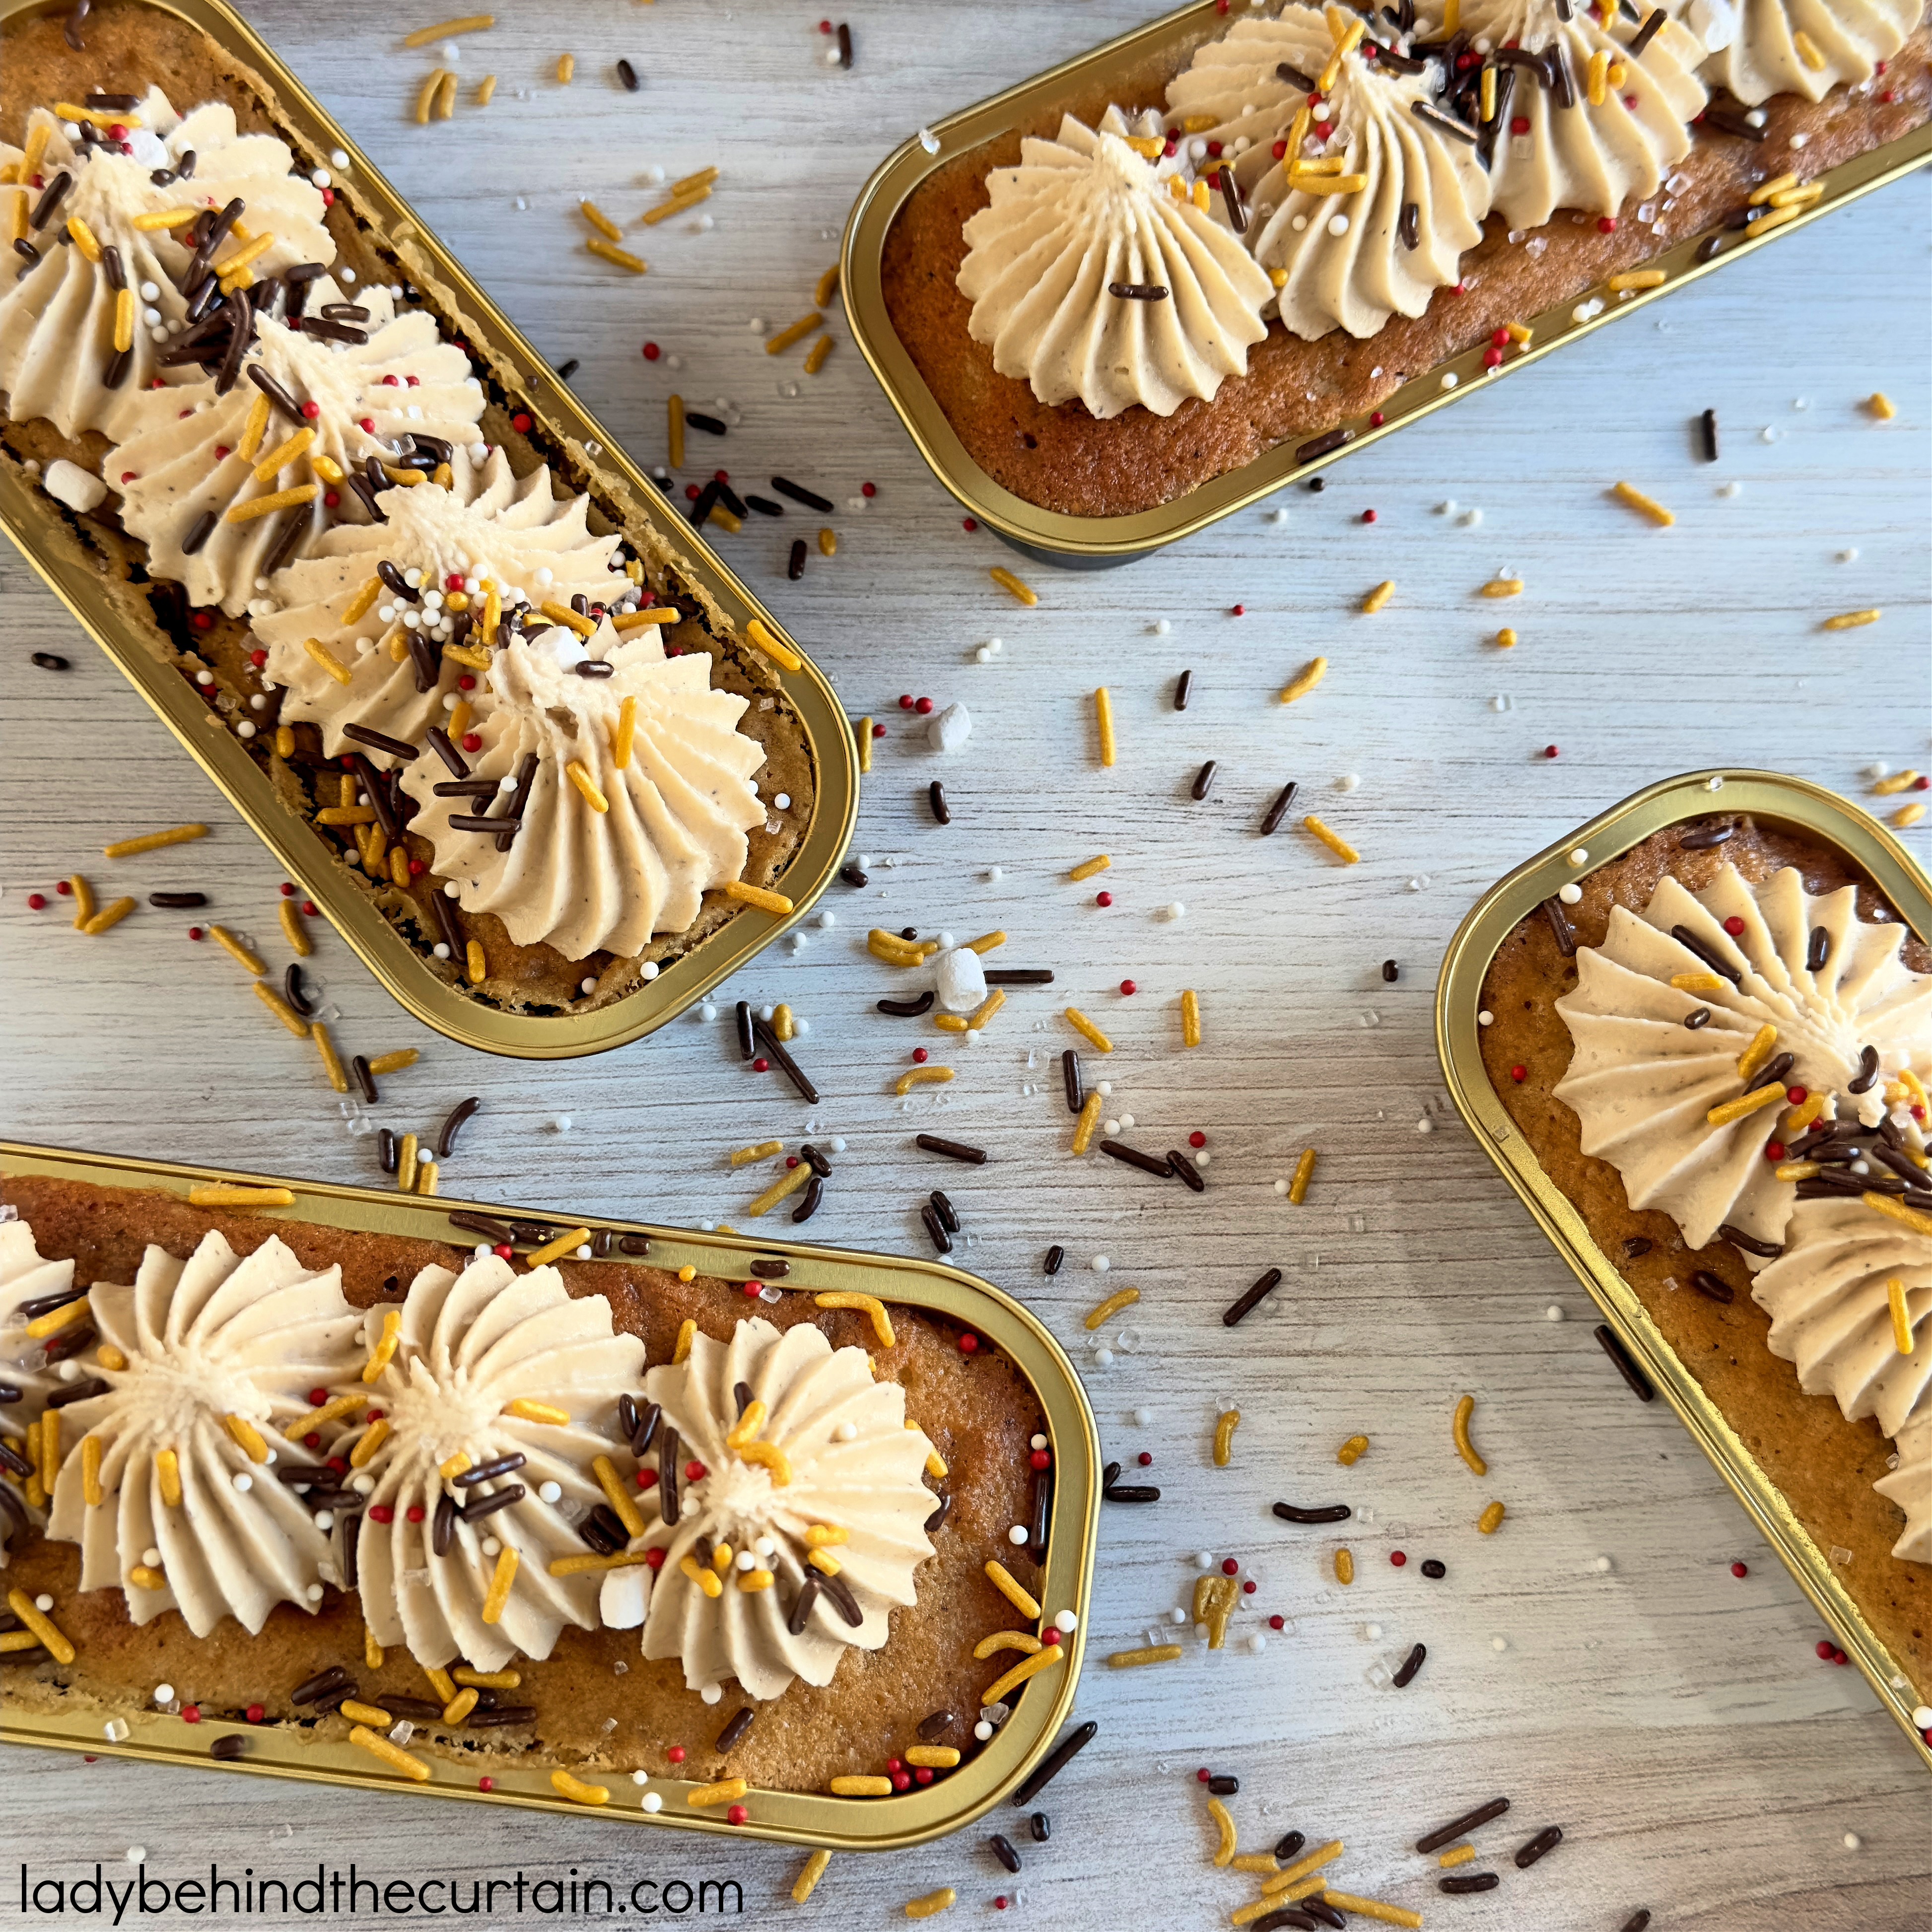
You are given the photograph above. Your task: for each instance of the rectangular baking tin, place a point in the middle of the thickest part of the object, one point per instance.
(801, 1818)
(1095, 542)
(619, 490)
(1770, 798)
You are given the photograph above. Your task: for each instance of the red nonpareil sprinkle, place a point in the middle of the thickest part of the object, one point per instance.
(647, 1479)
(901, 1780)
(255, 1713)
(1248, 1588)
(1519, 1074)
(676, 1754)
(520, 422)
(466, 683)
(919, 1056)
(473, 741)
(905, 700)
(1606, 224)
(308, 906)
(1103, 899)
(332, 499)
(1201, 1776)
(1740, 1569)
(654, 1558)
(1492, 359)
(1921, 783)
(791, 1160)
(720, 476)
(389, 382)
(366, 423)
(1774, 1151)
(761, 1065)
(969, 522)
(923, 1775)
(1049, 1635)
(381, 1513)
(194, 932)
(1519, 123)
(825, 26)
(1499, 338)
(1824, 1648)
(1458, 288)
(1238, 610)
(191, 1713)
(1368, 516)
(1213, 151)
(1277, 1623)
(1145, 1458)
(317, 1397)
(750, 1287)
(878, 730)
(868, 489)
(969, 1345)
(1550, 752)
(1918, 1112)
(1000, 1902)
(1127, 986)
(65, 888)
(203, 620)
(1734, 926)
(694, 1471)
(310, 410)
(486, 1784)
(1839, 1656)
(1376, 419)
(1170, 147)
(1039, 1459)
(129, 475)
(1398, 1557)
(737, 1814)
(1230, 1566)
(1279, 150)
(414, 1513)
(417, 868)
(923, 706)
(691, 493)
(312, 1441)
(651, 352)
(1797, 1095)
(502, 1251)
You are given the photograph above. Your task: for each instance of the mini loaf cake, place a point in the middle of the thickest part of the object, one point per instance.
(256, 425)
(1720, 1054)
(584, 1514)
(1412, 187)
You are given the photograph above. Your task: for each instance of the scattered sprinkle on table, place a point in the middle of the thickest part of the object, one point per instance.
(1629, 494)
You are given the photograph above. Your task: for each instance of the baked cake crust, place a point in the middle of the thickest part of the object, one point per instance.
(977, 1410)
(1824, 1465)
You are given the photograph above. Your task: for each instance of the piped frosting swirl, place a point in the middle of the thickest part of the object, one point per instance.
(1830, 1300)
(487, 527)
(57, 321)
(1807, 47)
(826, 1466)
(1589, 123)
(486, 1362)
(1083, 213)
(609, 853)
(27, 1284)
(1643, 1084)
(192, 453)
(221, 1353)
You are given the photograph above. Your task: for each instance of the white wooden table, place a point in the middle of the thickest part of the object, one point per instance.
(1672, 1718)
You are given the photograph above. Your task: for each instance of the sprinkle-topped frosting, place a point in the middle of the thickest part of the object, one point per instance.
(1590, 123)
(28, 1285)
(1779, 972)
(1372, 203)
(59, 357)
(818, 1463)
(1797, 47)
(193, 454)
(186, 1511)
(639, 796)
(1831, 1299)
(1083, 215)
(486, 529)
(487, 1366)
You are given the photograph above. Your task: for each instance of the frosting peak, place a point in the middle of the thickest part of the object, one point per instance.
(185, 1512)
(1081, 215)
(1796, 46)
(827, 1456)
(612, 848)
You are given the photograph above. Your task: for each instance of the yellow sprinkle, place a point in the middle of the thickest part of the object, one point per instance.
(141, 1576)
(470, 23)
(1505, 638)
(781, 653)
(1098, 1317)
(1335, 842)
(814, 360)
(1488, 96)
(443, 1684)
(986, 942)
(368, 1442)
(828, 542)
(487, 1680)
(765, 901)
(50, 1448)
(153, 841)
(1224, 1437)
(677, 406)
(599, 221)
(116, 910)
(617, 1496)
(83, 902)
(1082, 1025)
(1152, 1653)
(574, 1788)
(566, 66)
(500, 1581)
(1808, 50)
(1377, 597)
(1796, 1170)
(1327, 164)
(921, 1076)
(296, 933)
(123, 319)
(83, 238)
(796, 331)
(1306, 679)
(285, 742)
(788, 1182)
(895, 951)
(24, 1607)
(346, 814)
(976, 1021)
(1597, 83)
(281, 1008)
(1003, 1580)
(1300, 183)
(1906, 814)
(1304, 1169)
(862, 741)
(814, 1871)
(752, 1581)
(90, 1493)
(1345, 1567)
(454, 1467)
(824, 1562)
(726, 1791)
(769, 1456)
(1901, 1318)
(359, 1713)
(241, 955)
(55, 1319)
(220, 1194)
(167, 1474)
(688, 1328)
(881, 1319)
(1457, 1855)
(1089, 1117)
(1491, 1519)
(861, 1786)
(1310, 1862)
(578, 1566)
(406, 1164)
(1641, 278)
(1224, 1819)
(1745, 1103)
(1763, 192)
(272, 464)
(764, 1151)
(230, 270)
(1851, 620)
(1190, 1018)
(332, 1411)
(585, 785)
(1755, 1055)
(1008, 582)
(372, 1651)
(1371, 1908)
(622, 258)
(1255, 1861)
(1698, 983)
(555, 1250)
(395, 1060)
(1881, 406)
(1000, 1688)
(1503, 587)
(1103, 718)
(1897, 1211)
(934, 1757)
(166, 218)
(393, 1756)
(110, 1357)
(1022, 1641)
(1898, 782)
(525, 1410)
(933, 1902)
(1629, 494)
(1352, 1451)
(1460, 1428)
(475, 966)
(1088, 868)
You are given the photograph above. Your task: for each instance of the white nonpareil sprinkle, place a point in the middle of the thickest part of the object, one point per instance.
(137, 1855)
(982, 1730)
(1101, 1263)
(1347, 782)
(244, 1481)
(1569, 893)
(1338, 224)
(1065, 1622)
(652, 1801)
(1486, 1018)
(1853, 1841)
(1578, 855)
(1017, 1534)
(164, 1694)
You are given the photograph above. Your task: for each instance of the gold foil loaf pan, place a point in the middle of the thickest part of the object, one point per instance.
(1809, 1520)
(940, 1302)
(535, 418)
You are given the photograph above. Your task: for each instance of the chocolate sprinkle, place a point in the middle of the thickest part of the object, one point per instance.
(1435, 1570)
(1642, 38)
(949, 1215)
(644, 1428)
(843, 1600)
(1055, 1256)
(934, 1725)
(484, 1472)
(1707, 435)
(814, 1159)
(1637, 1921)
(1055, 1762)
(1069, 1074)
(1290, 1845)
(908, 1009)
(202, 528)
(365, 1079)
(1225, 1785)
(1460, 1827)
(1698, 1016)
(1321, 446)
(386, 1152)
(1712, 957)
(1204, 780)
(953, 1150)
(795, 566)
(1818, 950)
(177, 899)
(1037, 1525)
(381, 741)
(627, 74)
(1726, 123)
(232, 1744)
(1447, 123)
(1246, 1305)
(1147, 1163)
(935, 794)
(1019, 976)
(1179, 1163)
(808, 1206)
(1867, 1071)
(935, 1228)
(736, 1728)
(1284, 1916)
(1147, 291)
(442, 1526)
(712, 426)
(1564, 932)
(932, 1522)
(801, 1605)
(310, 1688)
(1041, 1827)
(1702, 837)
(1183, 684)
(1322, 1513)
(1003, 1851)
(764, 506)
(273, 390)
(1710, 1286)
(1707, 250)
(668, 1473)
(445, 1139)
(1411, 1664)
(1545, 1841)
(775, 1049)
(1469, 1881)
(1295, 78)
(1277, 811)
(844, 44)
(852, 876)
(799, 493)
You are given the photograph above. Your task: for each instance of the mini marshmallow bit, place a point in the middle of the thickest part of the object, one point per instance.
(79, 489)
(946, 730)
(959, 979)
